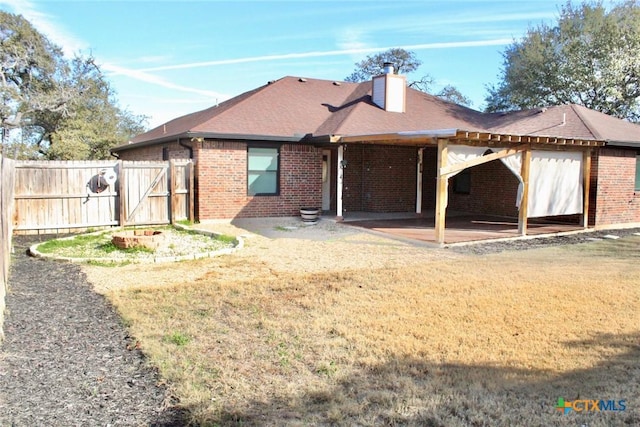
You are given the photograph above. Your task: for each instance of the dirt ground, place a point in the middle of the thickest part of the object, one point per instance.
(335, 325)
(287, 245)
(284, 245)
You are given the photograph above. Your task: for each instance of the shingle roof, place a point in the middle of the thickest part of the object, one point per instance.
(292, 108)
(565, 121)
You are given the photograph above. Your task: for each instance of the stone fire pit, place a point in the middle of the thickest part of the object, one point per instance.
(150, 239)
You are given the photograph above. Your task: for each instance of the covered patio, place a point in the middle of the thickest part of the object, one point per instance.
(553, 175)
(461, 228)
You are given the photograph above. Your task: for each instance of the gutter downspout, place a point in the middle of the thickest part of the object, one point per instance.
(188, 147)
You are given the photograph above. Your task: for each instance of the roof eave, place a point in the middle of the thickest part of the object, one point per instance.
(209, 135)
(625, 144)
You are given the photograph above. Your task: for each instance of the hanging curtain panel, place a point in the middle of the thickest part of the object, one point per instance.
(555, 183)
(462, 153)
(555, 178)
(514, 164)
(459, 154)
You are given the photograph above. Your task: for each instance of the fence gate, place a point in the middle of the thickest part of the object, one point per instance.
(154, 192)
(66, 195)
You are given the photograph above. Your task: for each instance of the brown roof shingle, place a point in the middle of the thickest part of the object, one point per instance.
(292, 108)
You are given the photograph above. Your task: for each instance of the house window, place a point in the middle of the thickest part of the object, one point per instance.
(637, 187)
(462, 182)
(262, 171)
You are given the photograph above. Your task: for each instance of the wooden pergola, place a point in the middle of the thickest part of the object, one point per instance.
(503, 145)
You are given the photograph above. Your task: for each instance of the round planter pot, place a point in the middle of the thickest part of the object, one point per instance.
(309, 215)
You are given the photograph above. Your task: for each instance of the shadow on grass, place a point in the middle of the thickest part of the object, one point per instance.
(410, 392)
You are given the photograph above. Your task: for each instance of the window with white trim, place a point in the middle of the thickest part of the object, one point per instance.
(262, 171)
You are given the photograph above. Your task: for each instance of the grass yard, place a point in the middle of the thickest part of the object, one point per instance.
(455, 340)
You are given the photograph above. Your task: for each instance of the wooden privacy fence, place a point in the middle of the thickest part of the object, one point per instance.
(6, 210)
(66, 195)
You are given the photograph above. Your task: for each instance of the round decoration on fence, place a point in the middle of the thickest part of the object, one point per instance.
(100, 182)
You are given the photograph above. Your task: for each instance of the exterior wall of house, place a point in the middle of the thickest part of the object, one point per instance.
(613, 197)
(221, 171)
(429, 184)
(166, 151)
(334, 175)
(493, 191)
(221, 178)
(352, 179)
(380, 178)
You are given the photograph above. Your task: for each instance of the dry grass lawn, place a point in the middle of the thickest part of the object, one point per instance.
(405, 336)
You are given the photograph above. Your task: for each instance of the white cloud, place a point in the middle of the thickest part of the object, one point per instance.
(154, 59)
(159, 81)
(351, 39)
(317, 54)
(69, 43)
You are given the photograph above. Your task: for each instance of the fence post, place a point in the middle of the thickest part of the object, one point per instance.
(122, 196)
(173, 197)
(192, 196)
(7, 178)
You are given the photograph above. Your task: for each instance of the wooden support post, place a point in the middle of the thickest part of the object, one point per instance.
(339, 182)
(122, 193)
(586, 184)
(173, 196)
(524, 201)
(419, 181)
(192, 197)
(441, 192)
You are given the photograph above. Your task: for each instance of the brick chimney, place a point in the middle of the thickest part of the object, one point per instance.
(390, 90)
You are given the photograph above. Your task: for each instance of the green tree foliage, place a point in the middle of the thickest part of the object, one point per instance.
(96, 124)
(404, 62)
(52, 107)
(452, 94)
(591, 57)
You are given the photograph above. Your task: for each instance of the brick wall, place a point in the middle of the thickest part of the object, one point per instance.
(222, 181)
(334, 177)
(613, 198)
(429, 173)
(352, 179)
(156, 152)
(380, 178)
(221, 178)
(493, 191)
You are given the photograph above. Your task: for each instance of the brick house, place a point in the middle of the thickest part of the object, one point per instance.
(380, 146)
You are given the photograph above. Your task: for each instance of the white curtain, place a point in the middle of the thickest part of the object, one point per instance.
(555, 178)
(459, 154)
(462, 153)
(514, 164)
(555, 183)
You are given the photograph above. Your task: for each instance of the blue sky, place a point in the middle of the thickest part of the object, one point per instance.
(169, 58)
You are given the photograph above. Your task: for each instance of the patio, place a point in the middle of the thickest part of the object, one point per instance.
(460, 228)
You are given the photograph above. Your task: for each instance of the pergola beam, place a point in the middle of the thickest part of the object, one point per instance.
(524, 200)
(340, 182)
(465, 137)
(441, 192)
(450, 169)
(586, 184)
